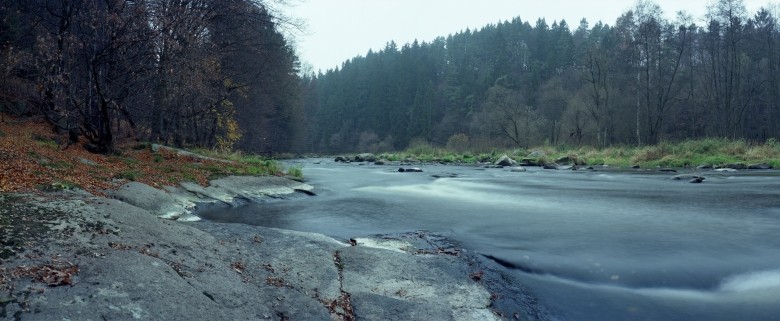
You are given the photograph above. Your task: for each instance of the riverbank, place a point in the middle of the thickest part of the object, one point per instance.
(80, 257)
(692, 153)
(82, 237)
(33, 159)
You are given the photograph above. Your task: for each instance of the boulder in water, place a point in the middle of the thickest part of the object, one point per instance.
(696, 180)
(505, 161)
(365, 157)
(687, 177)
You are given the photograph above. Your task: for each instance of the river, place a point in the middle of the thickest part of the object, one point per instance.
(591, 245)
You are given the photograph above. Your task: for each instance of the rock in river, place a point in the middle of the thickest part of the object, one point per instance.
(687, 177)
(410, 170)
(365, 157)
(696, 180)
(505, 161)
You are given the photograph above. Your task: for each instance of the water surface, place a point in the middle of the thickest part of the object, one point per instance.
(603, 245)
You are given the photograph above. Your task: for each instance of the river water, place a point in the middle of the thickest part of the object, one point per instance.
(591, 245)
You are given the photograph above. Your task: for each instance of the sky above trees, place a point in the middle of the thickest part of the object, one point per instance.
(342, 29)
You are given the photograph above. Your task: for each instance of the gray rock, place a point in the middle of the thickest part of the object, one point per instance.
(365, 157)
(259, 188)
(687, 177)
(505, 161)
(445, 175)
(762, 166)
(537, 154)
(381, 162)
(550, 166)
(87, 162)
(565, 160)
(410, 170)
(725, 170)
(340, 159)
(696, 180)
(157, 202)
(635, 166)
(143, 268)
(517, 169)
(392, 284)
(704, 166)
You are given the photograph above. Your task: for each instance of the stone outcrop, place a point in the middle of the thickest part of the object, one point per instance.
(180, 202)
(104, 259)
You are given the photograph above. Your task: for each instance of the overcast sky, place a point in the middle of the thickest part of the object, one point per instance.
(338, 30)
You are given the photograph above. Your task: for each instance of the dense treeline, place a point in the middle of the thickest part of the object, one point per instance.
(183, 72)
(642, 81)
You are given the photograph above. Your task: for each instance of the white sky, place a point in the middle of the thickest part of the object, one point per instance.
(338, 30)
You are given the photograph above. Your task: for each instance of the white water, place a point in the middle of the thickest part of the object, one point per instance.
(602, 245)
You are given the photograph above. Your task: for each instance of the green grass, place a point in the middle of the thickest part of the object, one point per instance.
(252, 164)
(295, 171)
(129, 175)
(690, 153)
(58, 165)
(45, 141)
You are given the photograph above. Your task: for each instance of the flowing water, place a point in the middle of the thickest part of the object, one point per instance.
(591, 245)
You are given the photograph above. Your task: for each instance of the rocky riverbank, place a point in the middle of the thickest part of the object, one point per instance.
(74, 256)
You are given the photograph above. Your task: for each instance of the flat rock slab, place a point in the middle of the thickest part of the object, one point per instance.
(134, 266)
(180, 202)
(158, 202)
(114, 261)
(389, 285)
(260, 187)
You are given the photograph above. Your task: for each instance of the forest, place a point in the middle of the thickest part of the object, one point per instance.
(223, 75)
(642, 81)
(210, 73)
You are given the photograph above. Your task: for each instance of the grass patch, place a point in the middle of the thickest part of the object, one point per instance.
(129, 161)
(128, 175)
(295, 171)
(45, 141)
(58, 164)
(59, 185)
(690, 153)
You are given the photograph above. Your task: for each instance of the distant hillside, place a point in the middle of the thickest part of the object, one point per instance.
(641, 81)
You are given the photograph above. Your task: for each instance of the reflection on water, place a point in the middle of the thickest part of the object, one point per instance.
(609, 245)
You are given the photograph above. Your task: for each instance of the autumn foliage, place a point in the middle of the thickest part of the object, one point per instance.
(32, 160)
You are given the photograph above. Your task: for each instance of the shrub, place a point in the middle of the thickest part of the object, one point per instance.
(458, 143)
(420, 147)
